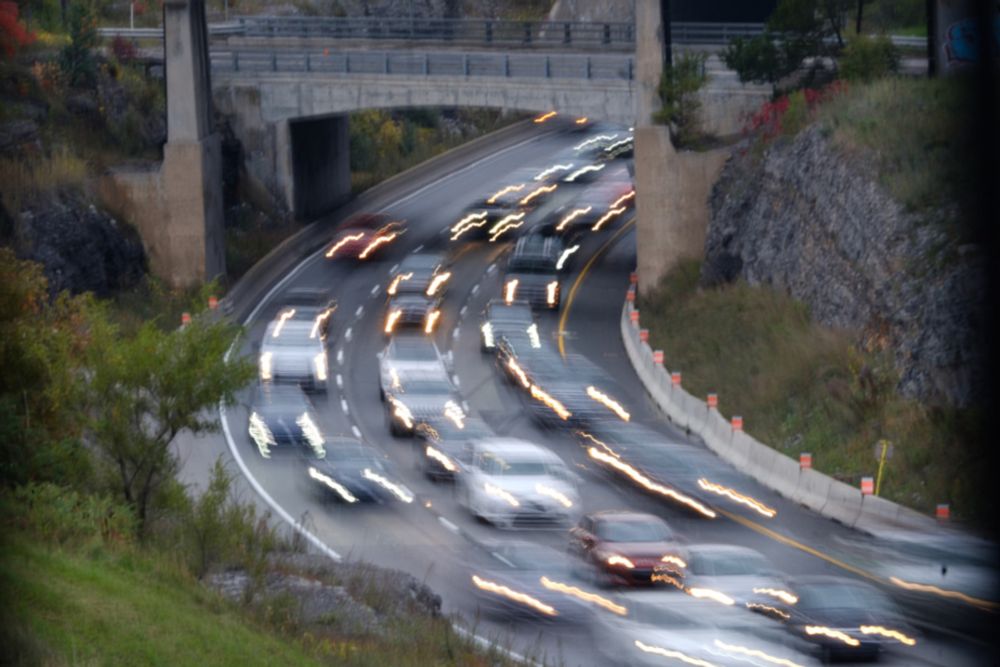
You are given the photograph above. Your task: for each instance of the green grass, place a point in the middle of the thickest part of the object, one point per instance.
(111, 608)
(804, 388)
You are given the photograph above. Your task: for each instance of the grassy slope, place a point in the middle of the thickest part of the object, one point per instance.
(803, 388)
(99, 608)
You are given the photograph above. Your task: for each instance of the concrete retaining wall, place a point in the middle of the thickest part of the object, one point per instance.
(814, 490)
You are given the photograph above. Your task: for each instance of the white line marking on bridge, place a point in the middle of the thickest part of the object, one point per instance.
(348, 334)
(340, 356)
(419, 248)
(464, 310)
(393, 269)
(356, 431)
(475, 288)
(454, 379)
(449, 525)
(376, 289)
(357, 313)
(340, 381)
(492, 268)
(454, 334)
(344, 407)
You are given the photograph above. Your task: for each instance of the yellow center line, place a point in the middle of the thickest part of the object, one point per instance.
(579, 280)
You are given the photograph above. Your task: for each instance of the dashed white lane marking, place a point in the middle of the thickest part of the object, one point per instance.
(340, 381)
(348, 334)
(449, 525)
(394, 267)
(376, 289)
(343, 406)
(356, 431)
(454, 379)
(454, 334)
(492, 268)
(475, 288)
(463, 311)
(357, 313)
(419, 248)
(340, 356)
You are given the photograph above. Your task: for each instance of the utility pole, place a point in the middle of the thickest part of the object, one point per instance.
(932, 38)
(668, 47)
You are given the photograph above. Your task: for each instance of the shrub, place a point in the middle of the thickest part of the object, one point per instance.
(123, 50)
(62, 515)
(13, 35)
(790, 113)
(77, 59)
(866, 58)
(678, 90)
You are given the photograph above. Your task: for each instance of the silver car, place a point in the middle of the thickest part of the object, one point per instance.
(408, 353)
(292, 352)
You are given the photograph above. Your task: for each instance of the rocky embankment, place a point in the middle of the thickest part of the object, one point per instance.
(804, 217)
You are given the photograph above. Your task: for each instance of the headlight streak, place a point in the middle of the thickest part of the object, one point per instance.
(928, 588)
(566, 254)
(512, 221)
(390, 322)
(320, 319)
(599, 443)
(710, 594)
(319, 362)
(738, 497)
(551, 292)
(471, 221)
(432, 318)
(649, 484)
(342, 242)
(542, 175)
(755, 653)
(333, 484)
(312, 434)
(438, 281)
(886, 632)
(608, 402)
(674, 560)
(546, 116)
(784, 596)
(510, 291)
(394, 379)
(536, 342)
(282, 318)
(583, 170)
(516, 370)
(571, 216)
(376, 242)
(401, 412)
(394, 285)
(538, 192)
(261, 435)
(581, 121)
(624, 198)
(661, 578)
(676, 655)
(497, 492)
(516, 596)
(553, 404)
(555, 494)
(441, 458)
(594, 140)
(505, 191)
(607, 216)
(581, 594)
(622, 142)
(768, 609)
(453, 412)
(813, 630)
(620, 560)
(487, 330)
(265, 365)
(397, 490)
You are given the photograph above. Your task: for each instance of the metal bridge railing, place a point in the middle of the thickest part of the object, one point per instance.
(553, 66)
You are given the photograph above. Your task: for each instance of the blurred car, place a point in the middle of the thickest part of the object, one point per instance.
(623, 148)
(281, 417)
(311, 305)
(531, 273)
(530, 581)
(497, 212)
(628, 548)
(351, 471)
(407, 311)
(730, 572)
(409, 353)
(419, 273)
(842, 618)
(292, 351)
(661, 628)
(514, 483)
(593, 145)
(501, 317)
(417, 396)
(443, 444)
(364, 236)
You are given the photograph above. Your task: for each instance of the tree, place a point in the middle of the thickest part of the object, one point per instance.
(13, 35)
(146, 389)
(678, 91)
(77, 59)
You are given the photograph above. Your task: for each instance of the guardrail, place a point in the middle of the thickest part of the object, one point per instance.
(445, 63)
(230, 28)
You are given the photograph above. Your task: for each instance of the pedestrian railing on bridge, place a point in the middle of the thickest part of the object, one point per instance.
(443, 63)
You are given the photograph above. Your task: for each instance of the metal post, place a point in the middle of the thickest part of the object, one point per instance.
(607, 34)
(567, 34)
(588, 67)
(274, 61)
(548, 68)
(629, 69)
(131, 15)
(527, 33)
(308, 62)
(465, 64)
(668, 46)
(347, 63)
(881, 465)
(489, 32)
(385, 62)
(506, 65)
(932, 38)
(427, 64)
(236, 61)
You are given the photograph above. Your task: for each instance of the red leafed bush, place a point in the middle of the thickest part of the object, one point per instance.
(768, 121)
(123, 50)
(12, 34)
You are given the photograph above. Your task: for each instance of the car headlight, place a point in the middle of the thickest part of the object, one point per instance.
(390, 322)
(510, 291)
(487, 329)
(261, 435)
(552, 293)
(265, 366)
(432, 318)
(320, 362)
(619, 561)
(501, 494)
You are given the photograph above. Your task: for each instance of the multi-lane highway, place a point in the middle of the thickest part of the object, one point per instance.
(434, 538)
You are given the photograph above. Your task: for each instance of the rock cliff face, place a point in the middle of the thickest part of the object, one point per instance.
(808, 219)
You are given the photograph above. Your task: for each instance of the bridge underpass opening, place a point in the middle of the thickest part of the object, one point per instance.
(321, 169)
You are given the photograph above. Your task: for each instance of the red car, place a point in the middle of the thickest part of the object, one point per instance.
(628, 548)
(364, 236)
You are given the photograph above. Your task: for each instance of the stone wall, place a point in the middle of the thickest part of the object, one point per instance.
(805, 218)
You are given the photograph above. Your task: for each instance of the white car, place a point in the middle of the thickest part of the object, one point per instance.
(514, 483)
(408, 353)
(292, 352)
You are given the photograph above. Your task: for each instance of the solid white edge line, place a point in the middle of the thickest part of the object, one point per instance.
(449, 525)
(487, 644)
(419, 248)
(356, 431)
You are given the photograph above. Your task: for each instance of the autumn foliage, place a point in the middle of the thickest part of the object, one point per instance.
(13, 35)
